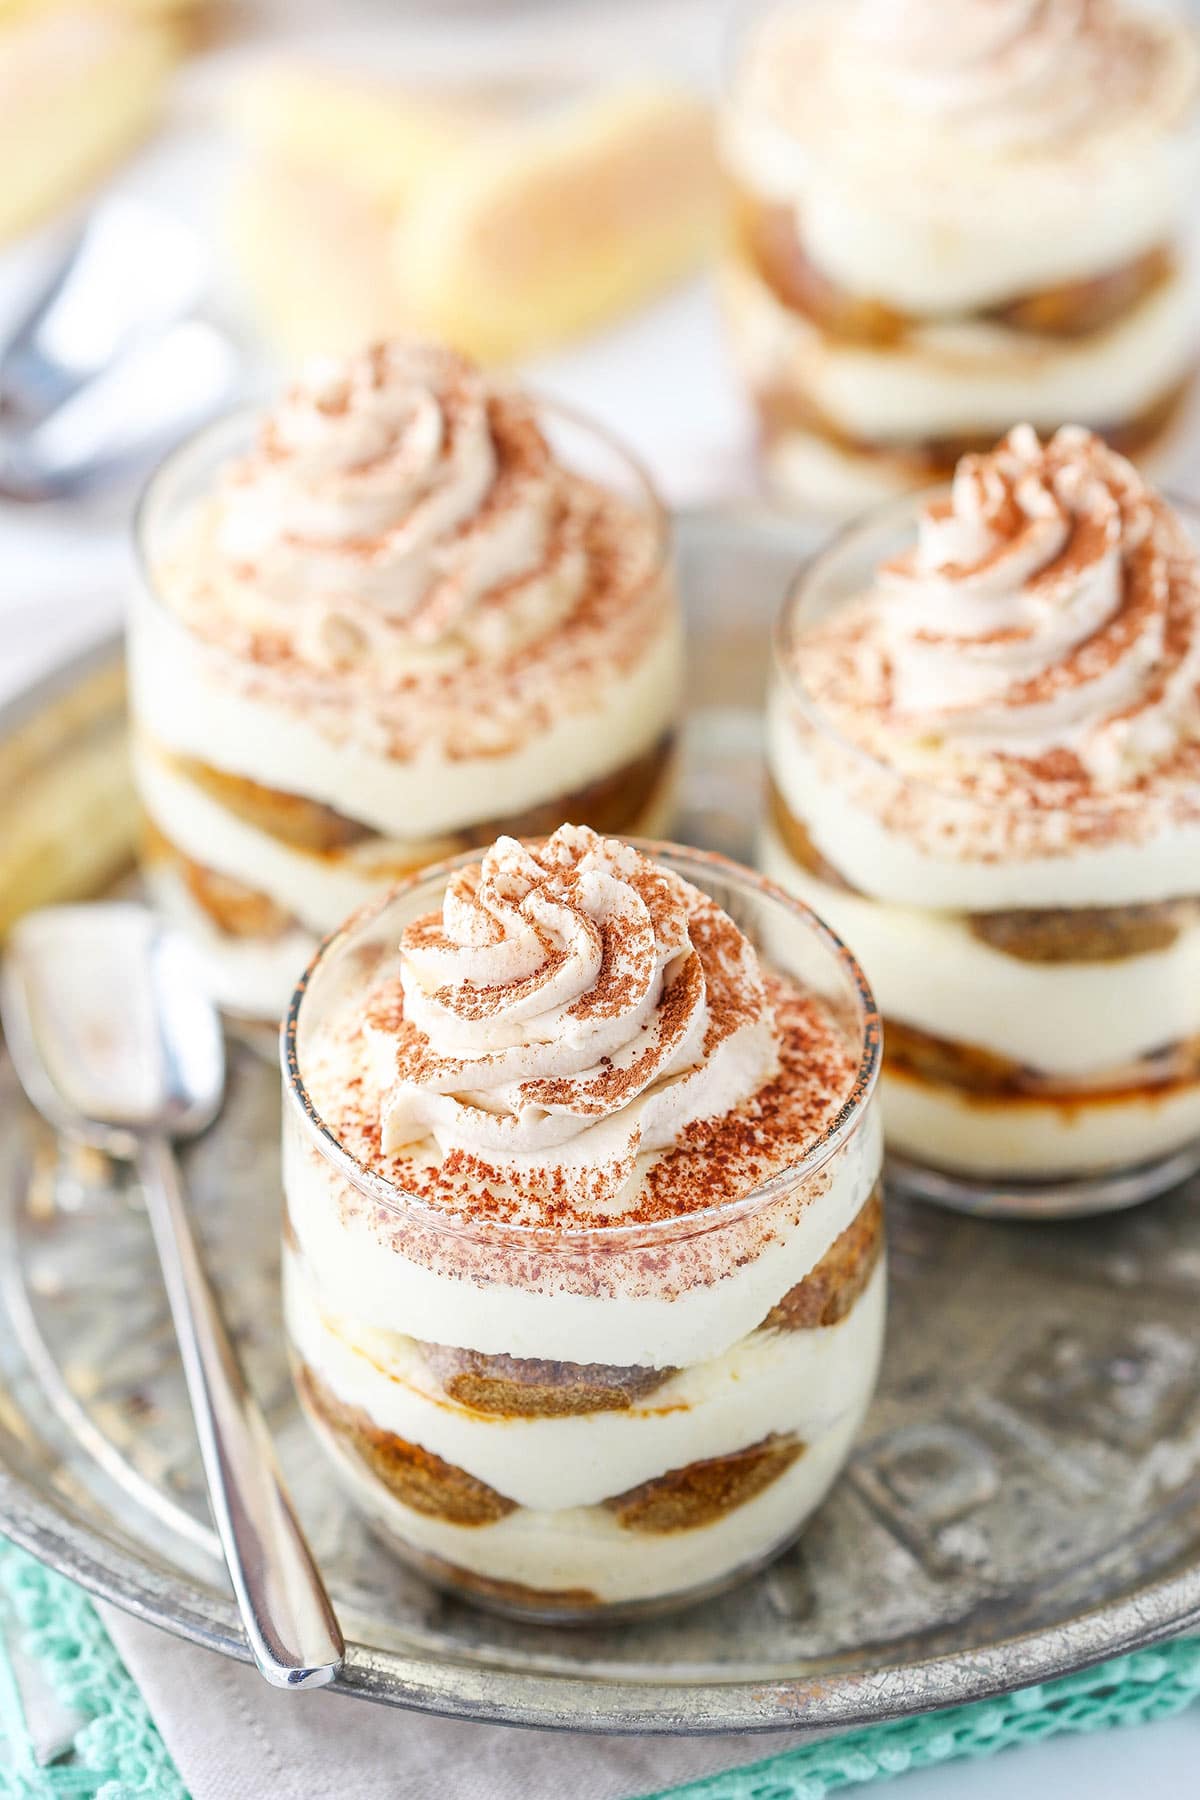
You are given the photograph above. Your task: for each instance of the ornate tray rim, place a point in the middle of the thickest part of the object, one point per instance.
(50, 1529)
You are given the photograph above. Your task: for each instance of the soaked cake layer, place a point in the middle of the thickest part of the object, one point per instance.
(538, 1387)
(828, 1294)
(233, 908)
(606, 804)
(786, 409)
(515, 1598)
(533, 1387)
(423, 1481)
(583, 1439)
(678, 1500)
(686, 1499)
(1077, 934)
(248, 896)
(767, 236)
(974, 1070)
(698, 1529)
(882, 405)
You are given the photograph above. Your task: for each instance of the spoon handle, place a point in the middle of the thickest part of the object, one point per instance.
(284, 1606)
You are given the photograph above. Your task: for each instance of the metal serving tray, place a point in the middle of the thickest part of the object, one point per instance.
(1025, 1498)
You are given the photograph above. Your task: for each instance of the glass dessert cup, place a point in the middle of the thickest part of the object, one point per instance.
(1042, 1030)
(565, 1425)
(880, 338)
(263, 827)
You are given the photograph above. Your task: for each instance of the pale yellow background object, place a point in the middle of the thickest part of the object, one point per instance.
(363, 212)
(79, 85)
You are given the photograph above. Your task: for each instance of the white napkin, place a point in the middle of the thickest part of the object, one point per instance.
(233, 1737)
(50, 1722)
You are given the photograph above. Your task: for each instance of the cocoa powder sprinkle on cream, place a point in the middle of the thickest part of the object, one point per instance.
(707, 1074)
(1037, 650)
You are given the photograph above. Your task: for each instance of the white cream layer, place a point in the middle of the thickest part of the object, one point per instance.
(1031, 1138)
(964, 379)
(771, 1382)
(585, 1547)
(890, 867)
(321, 890)
(183, 697)
(929, 970)
(365, 1279)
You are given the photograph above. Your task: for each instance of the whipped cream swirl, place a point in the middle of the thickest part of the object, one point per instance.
(397, 506)
(1052, 603)
(572, 1008)
(1018, 73)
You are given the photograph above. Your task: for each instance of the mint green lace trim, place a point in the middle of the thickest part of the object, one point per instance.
(1132, 1690)
(120, 1756)
(118, 1752)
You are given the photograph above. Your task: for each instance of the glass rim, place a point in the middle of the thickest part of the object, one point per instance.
(251, 412)
(619, 1234)
(786, 673)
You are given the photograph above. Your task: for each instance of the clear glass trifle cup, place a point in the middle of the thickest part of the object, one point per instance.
(401, 609)
(583, 1260)
(946, 217)
(984, 754)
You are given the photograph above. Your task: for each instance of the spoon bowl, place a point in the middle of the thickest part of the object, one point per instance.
(109, 1027)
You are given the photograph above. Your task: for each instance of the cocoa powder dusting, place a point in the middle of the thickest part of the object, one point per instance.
(1124, 763)
(601, 559)
(716, 1162)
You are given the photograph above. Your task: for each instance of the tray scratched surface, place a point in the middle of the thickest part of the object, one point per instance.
(1025, 1497)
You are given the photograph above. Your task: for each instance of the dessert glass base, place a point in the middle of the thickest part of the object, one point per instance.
(1070, 1198)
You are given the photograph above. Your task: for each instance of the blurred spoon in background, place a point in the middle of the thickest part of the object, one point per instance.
(115, 357)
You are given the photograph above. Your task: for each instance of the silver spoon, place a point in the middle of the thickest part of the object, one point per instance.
(105, 369)
(125, 272)
(115, 1042)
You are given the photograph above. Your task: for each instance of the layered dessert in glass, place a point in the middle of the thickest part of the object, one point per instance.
(985, 758)
(404, 610)
(583, 1257)
(948, 217)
